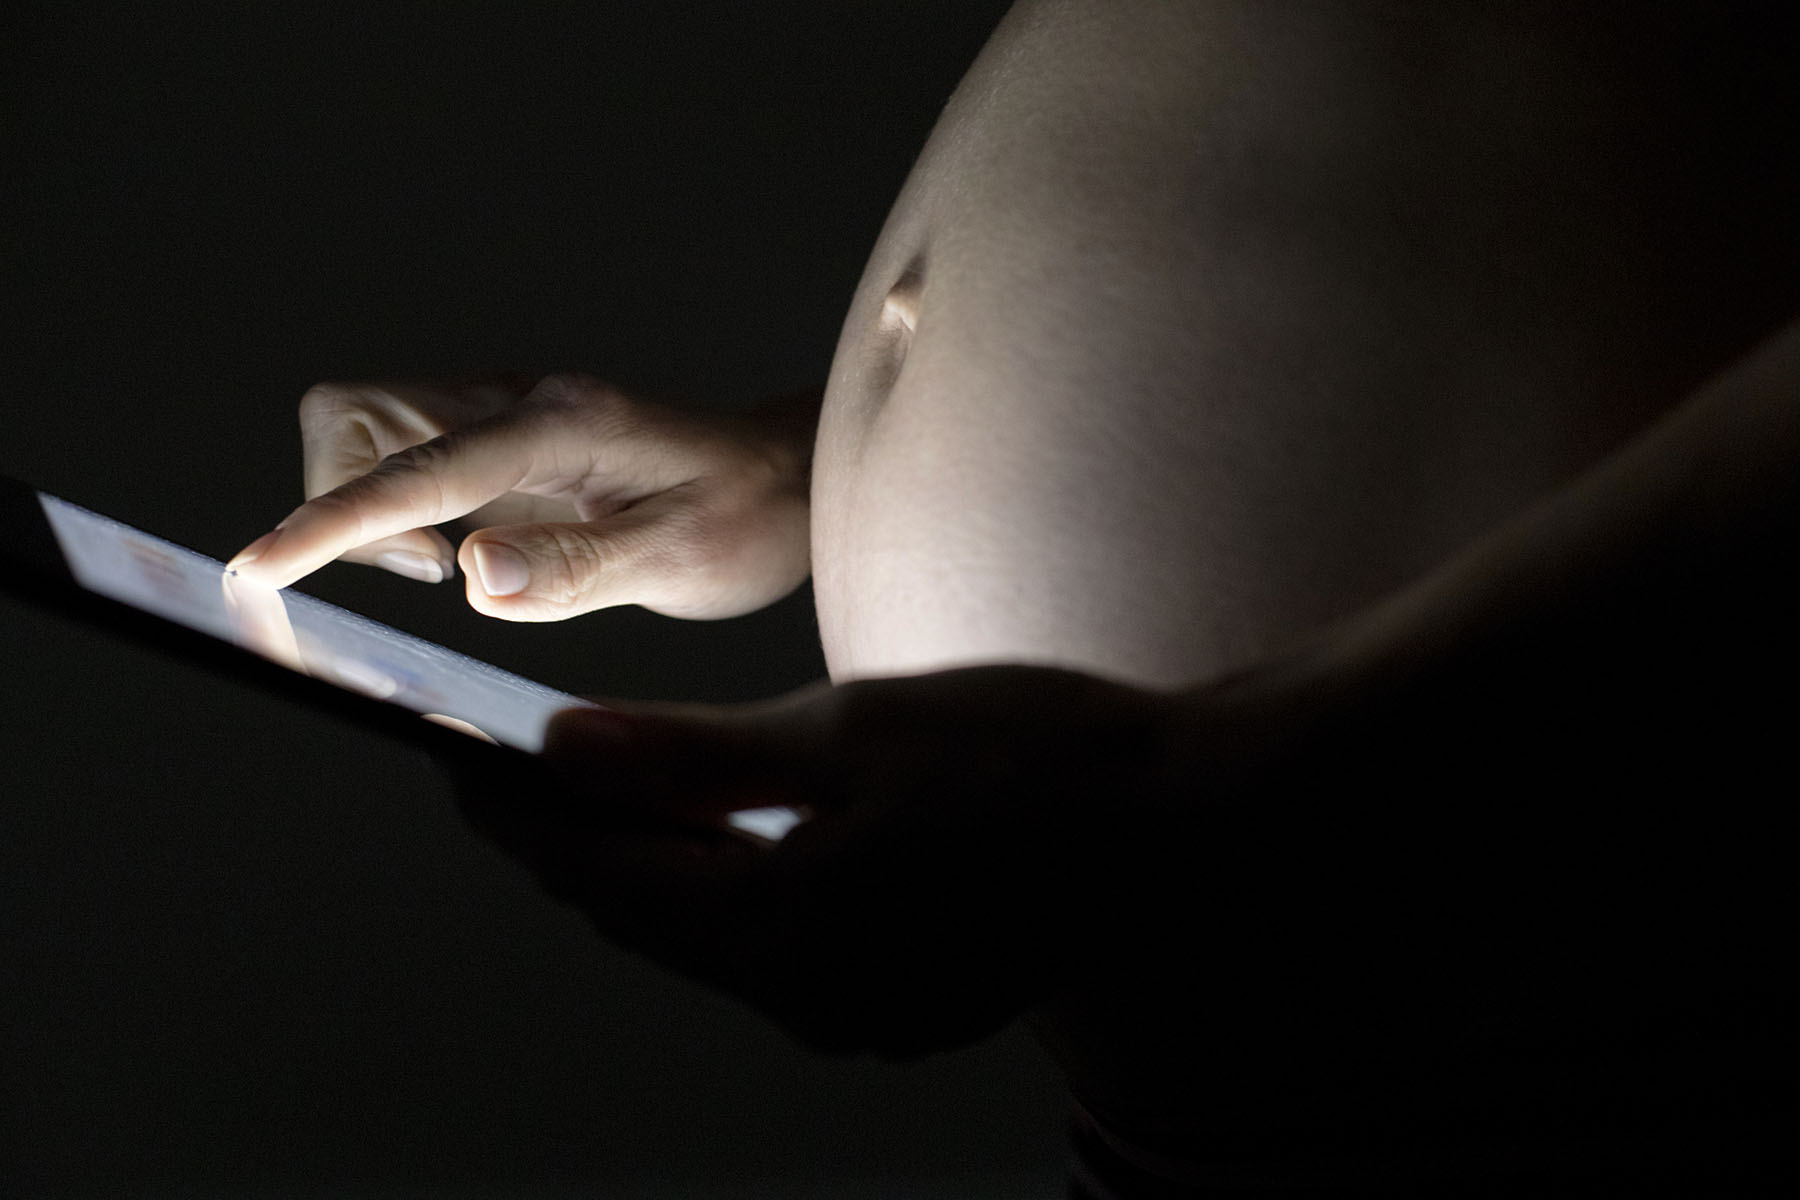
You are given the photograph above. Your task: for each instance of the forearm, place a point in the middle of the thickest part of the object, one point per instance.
(1656, 570)
(1548, 760)
(1661, 562)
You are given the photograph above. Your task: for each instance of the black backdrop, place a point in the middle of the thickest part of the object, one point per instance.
(248, 950)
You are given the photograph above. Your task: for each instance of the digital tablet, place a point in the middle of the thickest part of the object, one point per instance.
(115, 577)
(108, 574)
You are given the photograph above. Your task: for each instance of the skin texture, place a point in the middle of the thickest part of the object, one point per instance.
(1500, 848)
(1221, 358)
(1492, 853)
(1228, 318)
(583, 496)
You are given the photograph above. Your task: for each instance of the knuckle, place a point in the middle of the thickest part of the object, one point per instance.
(427, 457)
(332, 412)
(323, 404)
(705, 558)
(337, 503)
(571, 564)
(412, 478)
(691, 547)
(342, 508)
(599, 406)
(565, 389)
(325, 394)
(685, 555)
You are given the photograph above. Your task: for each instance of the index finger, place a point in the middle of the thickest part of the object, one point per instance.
(426, 484)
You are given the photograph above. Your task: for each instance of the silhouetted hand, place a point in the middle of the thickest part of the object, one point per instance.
(941, 881)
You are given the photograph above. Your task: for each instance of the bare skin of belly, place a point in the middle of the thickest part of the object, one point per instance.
(1197, 325)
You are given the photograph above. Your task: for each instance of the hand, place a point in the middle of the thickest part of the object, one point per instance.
(961, 831)
(607, 499)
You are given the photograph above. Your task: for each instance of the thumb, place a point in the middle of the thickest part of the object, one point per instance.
(550, 572)
(697, 764)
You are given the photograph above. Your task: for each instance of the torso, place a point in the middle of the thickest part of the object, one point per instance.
(1199, 324)
(1226, 318)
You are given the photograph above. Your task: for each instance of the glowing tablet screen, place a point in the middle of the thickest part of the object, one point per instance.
(298, 631)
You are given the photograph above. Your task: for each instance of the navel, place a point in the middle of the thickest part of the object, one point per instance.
(900, 309)
(885, 347)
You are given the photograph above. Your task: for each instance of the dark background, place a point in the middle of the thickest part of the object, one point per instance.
(245, 949)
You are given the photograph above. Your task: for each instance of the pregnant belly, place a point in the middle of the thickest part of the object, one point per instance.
(1198, 325)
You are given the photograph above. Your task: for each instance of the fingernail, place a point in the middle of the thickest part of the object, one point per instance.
(502, 570)
(254, 550)
(412, 565)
